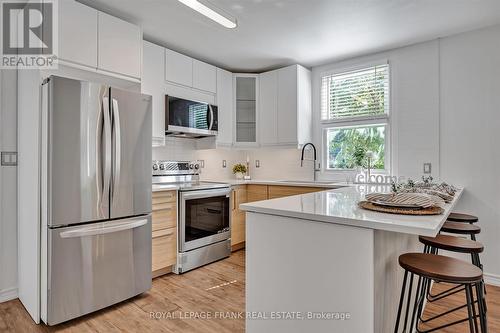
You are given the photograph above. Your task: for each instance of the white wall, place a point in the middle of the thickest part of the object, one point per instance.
(470, 131)
(446, 111)
(414, 107)
(8, 186)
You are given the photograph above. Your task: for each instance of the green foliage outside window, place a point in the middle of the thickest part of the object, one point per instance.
(347, 147)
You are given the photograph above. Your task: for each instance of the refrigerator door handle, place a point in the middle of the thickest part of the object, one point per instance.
(118, 143)
(107, 146)
(99, 154)
(100, 230)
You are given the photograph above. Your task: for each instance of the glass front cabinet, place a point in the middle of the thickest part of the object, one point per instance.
(246, 113)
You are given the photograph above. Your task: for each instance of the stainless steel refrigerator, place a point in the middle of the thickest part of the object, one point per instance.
(96, 242)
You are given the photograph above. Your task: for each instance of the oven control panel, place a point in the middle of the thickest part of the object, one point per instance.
(165, 168)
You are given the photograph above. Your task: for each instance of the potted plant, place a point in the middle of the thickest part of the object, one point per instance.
(239, 170)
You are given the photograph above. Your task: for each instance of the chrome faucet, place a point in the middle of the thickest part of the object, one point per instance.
(315, 169)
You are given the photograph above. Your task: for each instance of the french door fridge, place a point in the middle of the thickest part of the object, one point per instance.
(96, 242)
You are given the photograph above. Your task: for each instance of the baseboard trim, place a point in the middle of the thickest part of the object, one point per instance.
(8, 294)
(492, 279)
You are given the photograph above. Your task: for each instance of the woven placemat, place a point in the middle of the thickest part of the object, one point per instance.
(400, 210)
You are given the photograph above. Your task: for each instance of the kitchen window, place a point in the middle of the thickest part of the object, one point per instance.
(355, 117)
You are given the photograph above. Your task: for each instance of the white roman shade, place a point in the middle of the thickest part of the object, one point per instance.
(357, 94)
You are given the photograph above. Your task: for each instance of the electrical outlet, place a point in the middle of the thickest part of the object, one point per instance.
(257, 163)
(427, 168)
(9, 158)
(224, 163)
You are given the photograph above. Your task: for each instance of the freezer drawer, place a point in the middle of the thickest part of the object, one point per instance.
(96, 265)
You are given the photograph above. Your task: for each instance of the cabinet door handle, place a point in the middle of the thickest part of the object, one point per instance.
(234, 199)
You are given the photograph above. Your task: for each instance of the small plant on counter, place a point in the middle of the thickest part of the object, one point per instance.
(239, 170)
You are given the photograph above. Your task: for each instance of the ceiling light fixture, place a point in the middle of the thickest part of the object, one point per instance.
(210, 13)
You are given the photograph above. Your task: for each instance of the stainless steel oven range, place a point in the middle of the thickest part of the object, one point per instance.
(204, 217)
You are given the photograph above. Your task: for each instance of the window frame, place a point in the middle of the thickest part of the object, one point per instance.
(360, 121)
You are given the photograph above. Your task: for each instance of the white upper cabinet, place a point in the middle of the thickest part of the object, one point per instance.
(77, 33)
(285, 107)
(120, 45)
(204, 76)
(246, 110)
(225, 98)
(268, 99)
(91, 41)
(178, 68)
(153, 84)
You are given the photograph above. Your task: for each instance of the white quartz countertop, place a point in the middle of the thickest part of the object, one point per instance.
(234, 182)
(340, 206)
(304, 183)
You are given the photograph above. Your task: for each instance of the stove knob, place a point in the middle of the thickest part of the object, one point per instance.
(162, 166)
(155, 167)
(196, 166)
(191, 166)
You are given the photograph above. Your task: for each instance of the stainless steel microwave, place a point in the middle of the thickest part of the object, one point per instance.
(188, 118)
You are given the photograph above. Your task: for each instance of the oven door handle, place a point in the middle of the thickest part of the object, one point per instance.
(226, 192)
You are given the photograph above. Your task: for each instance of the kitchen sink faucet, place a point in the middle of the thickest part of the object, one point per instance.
(315, 169)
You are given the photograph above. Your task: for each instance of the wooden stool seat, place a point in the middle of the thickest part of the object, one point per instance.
(460, 217)
(460, 228)
(441, 268)
(452, 243)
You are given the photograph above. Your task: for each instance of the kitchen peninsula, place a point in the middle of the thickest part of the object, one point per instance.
(320, 254)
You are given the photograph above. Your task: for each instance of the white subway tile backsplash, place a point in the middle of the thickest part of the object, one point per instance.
(177, 149)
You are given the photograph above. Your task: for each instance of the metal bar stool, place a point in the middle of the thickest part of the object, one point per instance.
(431, 267)
(461, 228)
(464, 218)
(453, 244)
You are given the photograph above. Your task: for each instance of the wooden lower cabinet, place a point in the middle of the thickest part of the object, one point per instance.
(277, 191)
(164, 227)
(164, 252)
(257, 193)
(239, 196)
(251, 193)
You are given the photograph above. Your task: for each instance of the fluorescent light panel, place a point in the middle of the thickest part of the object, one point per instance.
(210, 13)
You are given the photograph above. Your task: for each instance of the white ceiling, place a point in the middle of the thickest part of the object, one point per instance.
(274, 33)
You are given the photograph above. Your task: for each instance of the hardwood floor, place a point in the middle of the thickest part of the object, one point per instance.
(432, 309)
(217, 290)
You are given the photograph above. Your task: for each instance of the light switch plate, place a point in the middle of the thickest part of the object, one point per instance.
(9, 158)
(202, 164)
(224, 163)
(427, 168)
(257, 163)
